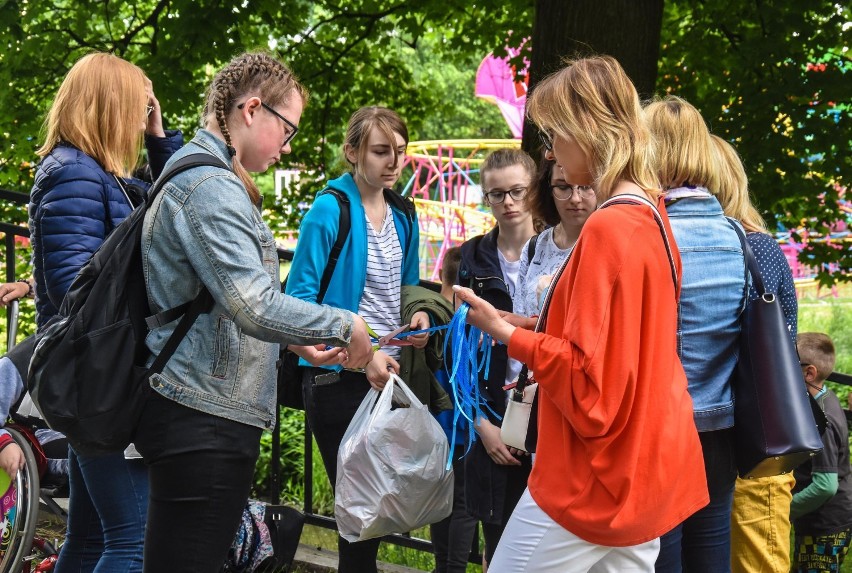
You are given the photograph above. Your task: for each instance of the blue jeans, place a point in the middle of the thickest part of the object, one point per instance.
(107, 507)
(702, 543)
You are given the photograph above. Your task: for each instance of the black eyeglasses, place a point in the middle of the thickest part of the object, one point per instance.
(294, 129)
(546, 140)
(564, 191)
(497, 197)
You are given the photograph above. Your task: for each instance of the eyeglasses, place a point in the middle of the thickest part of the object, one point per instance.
(294, 129)
(497, 197)
(565, 191)
(546, 140)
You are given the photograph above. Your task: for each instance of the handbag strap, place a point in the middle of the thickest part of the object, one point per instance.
(750, 260)
(625, 199)
(631, 199)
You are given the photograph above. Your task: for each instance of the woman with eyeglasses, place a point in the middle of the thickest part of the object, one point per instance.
(618, 461)
(93, 134)
(495, 477)
(200, 428)
(564, 207)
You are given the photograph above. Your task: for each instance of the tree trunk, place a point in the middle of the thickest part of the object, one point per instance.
(628, 30)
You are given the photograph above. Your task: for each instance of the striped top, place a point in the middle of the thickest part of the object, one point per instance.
(380, 303)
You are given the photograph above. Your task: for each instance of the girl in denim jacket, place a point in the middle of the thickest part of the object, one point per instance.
(200, 430)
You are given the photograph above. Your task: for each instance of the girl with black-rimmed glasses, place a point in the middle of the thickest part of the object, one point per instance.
(495, 477)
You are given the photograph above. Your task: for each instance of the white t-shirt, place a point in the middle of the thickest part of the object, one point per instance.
(380, 302)
(511, 270)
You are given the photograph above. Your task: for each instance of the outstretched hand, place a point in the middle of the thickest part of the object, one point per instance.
(360, 349)
(319, 356)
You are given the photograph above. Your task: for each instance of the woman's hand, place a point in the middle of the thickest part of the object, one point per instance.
(379, 368)
(360, 349)
(484, 316)
(154, 122)
(13, 291)
(490, 436)
(319, 356)
(518, 320)
(12, 459)
(420, 321)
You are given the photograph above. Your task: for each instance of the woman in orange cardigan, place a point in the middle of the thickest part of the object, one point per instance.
(618, 461)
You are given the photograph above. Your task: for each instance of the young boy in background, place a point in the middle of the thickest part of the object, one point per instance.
(821, 510)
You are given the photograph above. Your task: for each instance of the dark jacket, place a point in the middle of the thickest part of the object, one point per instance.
(74, 205)
(480, 271)
(418, 365)
(491, 490)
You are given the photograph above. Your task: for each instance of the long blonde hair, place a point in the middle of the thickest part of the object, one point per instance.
(255, 73)
(593, 102)
(100, 110)
(733, 187)
(685, 153)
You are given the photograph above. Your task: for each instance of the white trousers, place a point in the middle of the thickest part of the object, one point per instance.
(534, 543)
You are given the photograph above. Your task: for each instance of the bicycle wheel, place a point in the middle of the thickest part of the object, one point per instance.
(19, 509)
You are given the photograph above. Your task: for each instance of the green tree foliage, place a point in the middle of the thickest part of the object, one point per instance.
(774, 79)
(744, 64)
(348, 52)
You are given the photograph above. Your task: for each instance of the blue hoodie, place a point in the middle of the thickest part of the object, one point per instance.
(318, 234)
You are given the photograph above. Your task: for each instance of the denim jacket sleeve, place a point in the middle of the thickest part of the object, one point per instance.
(233, 253)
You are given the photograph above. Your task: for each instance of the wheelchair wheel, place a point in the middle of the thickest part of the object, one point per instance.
(19, 510)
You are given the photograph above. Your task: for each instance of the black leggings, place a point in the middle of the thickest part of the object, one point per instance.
(200, 468)
(329, 409)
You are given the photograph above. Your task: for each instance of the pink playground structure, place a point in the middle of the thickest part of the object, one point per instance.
(444, 183)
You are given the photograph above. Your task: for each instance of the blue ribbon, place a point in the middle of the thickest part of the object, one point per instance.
(413, 332)
(460, 350)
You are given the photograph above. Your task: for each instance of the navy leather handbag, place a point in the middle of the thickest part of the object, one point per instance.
(775, 423)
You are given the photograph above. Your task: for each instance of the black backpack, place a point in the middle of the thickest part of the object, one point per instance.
(87, 375)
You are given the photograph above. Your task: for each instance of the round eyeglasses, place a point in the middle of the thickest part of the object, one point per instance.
(497, 197)
(564, 191)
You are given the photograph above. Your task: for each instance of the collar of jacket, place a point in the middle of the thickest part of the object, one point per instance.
(480, 255)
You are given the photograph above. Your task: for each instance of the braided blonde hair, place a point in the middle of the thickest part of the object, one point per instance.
(255, 73)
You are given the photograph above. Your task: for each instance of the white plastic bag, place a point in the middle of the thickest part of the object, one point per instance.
(391, 467)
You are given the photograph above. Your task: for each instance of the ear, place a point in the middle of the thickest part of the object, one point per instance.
(810, 373)
(250, 107)
(351, 154)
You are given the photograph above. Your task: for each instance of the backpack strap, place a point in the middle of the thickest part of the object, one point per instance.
(406, 206)
(531, 248)
(344, 225)
(204, 300)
